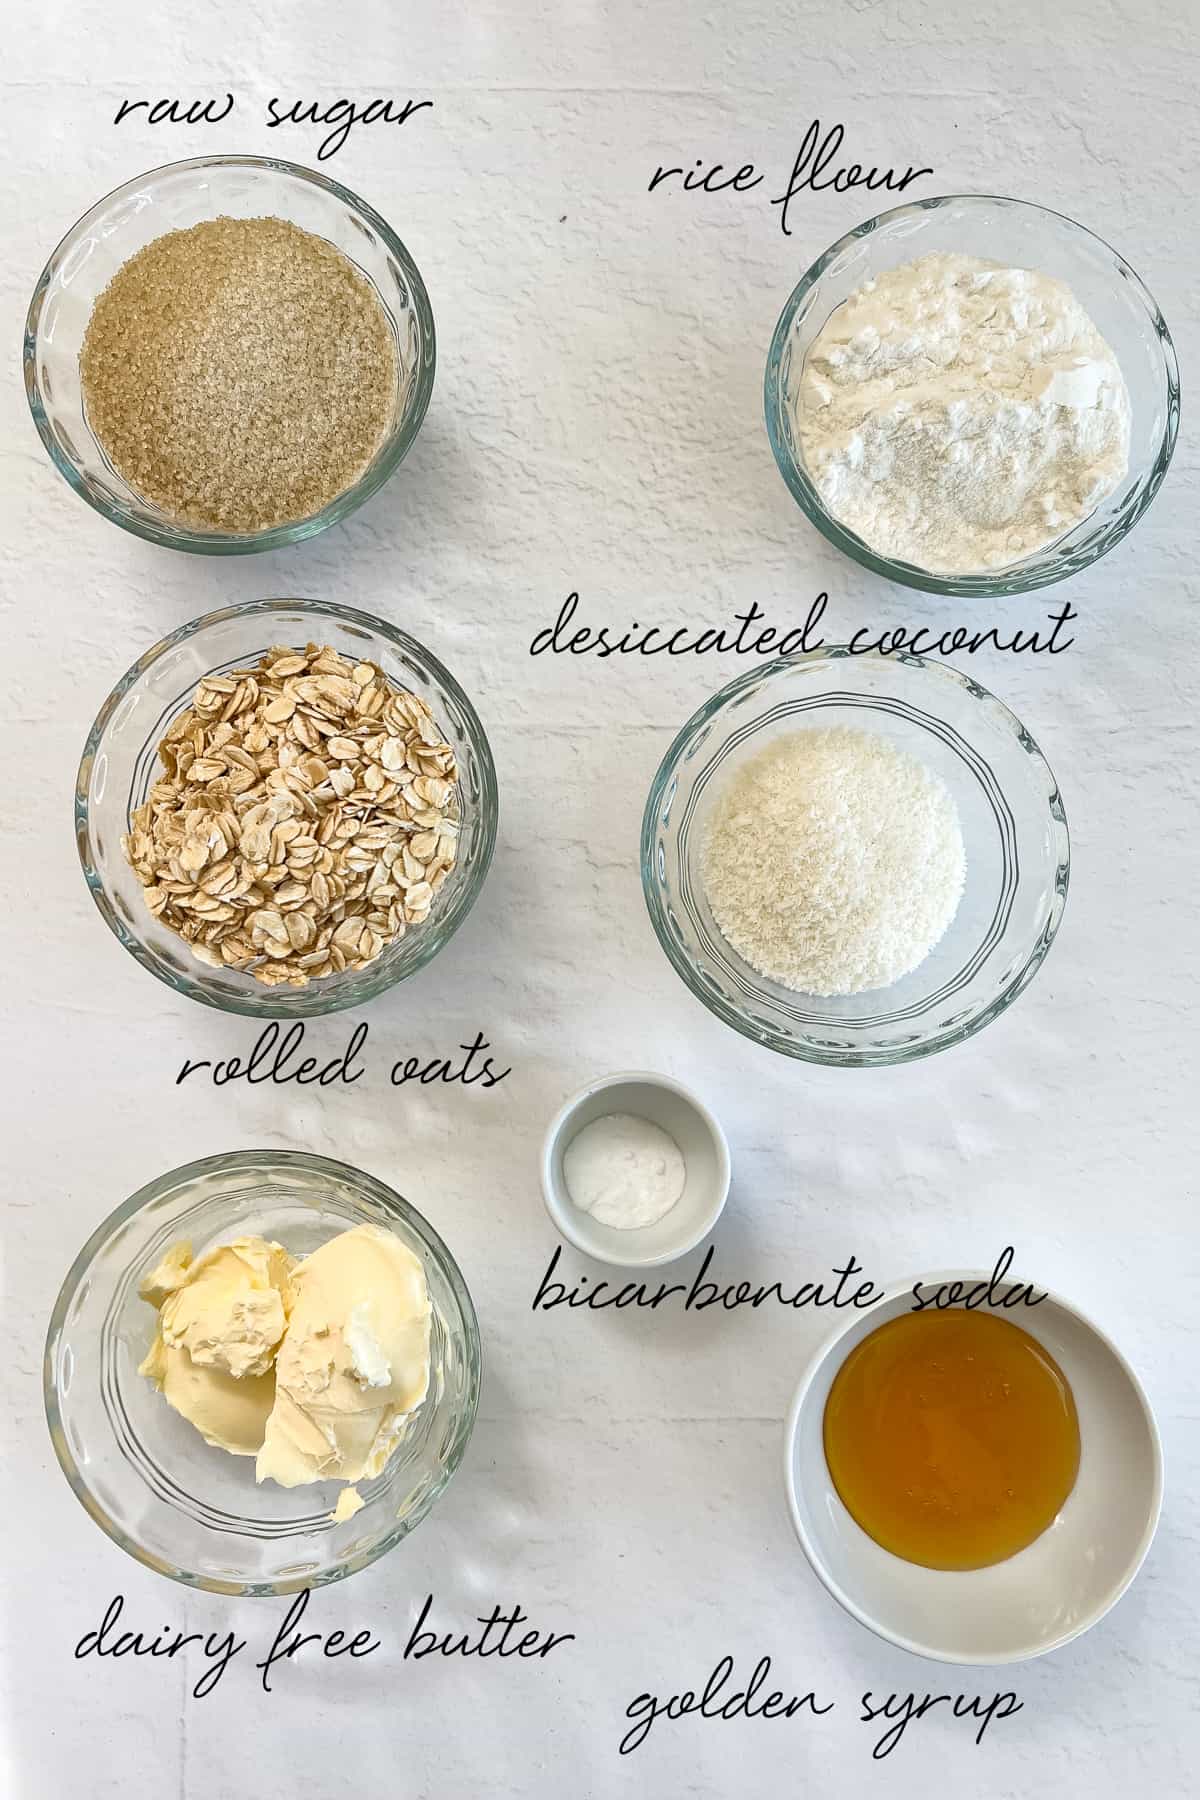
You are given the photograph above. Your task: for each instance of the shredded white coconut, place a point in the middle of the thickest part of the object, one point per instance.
(960, 415)
(833, 861)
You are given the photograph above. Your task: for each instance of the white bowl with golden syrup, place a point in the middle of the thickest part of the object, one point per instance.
(1068, 1577)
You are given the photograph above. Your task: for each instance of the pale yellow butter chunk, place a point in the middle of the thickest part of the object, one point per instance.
(229, 1413)
(312, 1367)
(349, 1502)
(220, 1320)
(231, 1310)
(353, 1364)
(167, 1275)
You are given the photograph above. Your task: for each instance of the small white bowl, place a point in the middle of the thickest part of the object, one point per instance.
(705, 1153)
(1050, 1592)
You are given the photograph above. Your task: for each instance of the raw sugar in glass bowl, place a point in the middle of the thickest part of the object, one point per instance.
(147, 1477)
(120, 764)
(1019, 235)
(171, 199)
(1014, 831)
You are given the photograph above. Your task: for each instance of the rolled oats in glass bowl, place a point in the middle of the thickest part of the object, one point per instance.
(285, 807)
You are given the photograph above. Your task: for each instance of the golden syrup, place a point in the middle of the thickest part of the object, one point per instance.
(952, 1438)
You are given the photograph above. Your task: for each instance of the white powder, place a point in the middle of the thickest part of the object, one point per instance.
(833, 861)
(627, 1172)
(959, 415)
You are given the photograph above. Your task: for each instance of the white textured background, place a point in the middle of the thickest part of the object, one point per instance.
(597, 425)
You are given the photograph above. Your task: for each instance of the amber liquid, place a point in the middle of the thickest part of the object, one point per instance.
(952, 1438)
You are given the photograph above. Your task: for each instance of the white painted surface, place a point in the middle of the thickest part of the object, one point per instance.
(596, 425)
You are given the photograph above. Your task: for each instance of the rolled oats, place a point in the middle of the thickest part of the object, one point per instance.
(306, 816)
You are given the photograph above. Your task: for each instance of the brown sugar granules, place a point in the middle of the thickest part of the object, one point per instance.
(239, 374)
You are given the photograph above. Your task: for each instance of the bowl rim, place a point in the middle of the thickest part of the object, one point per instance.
(394, 1204)
(193, 987)
(1003, 581)
(560, 1209)
(827, 1349)
(387, 459)
(768, 1038)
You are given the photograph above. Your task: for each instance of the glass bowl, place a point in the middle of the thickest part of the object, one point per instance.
(1014, 831)
(171, 199)
(1021, 235)
(147, 1477)
(120, 761)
